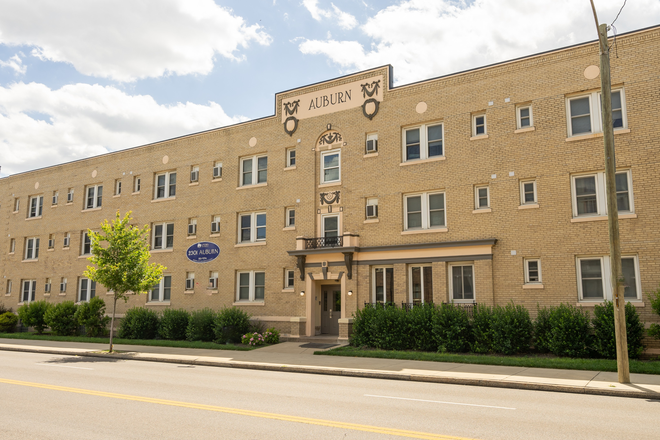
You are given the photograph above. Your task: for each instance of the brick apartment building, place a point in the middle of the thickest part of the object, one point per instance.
(482, 186)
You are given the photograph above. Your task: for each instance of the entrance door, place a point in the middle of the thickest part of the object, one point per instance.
(330, 309)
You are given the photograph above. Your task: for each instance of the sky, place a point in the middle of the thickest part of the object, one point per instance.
(80, 78)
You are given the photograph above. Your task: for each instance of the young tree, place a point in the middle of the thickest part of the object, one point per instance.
(121, 255)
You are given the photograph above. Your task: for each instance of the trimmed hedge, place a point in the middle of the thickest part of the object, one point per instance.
(200, 325)
(8, 322)
(604, 338)
(570, 331)
(231, 324)
(173, 324)
(91, 315)
(33, 315)
(451, 328)
(139, 323)
(60, 318)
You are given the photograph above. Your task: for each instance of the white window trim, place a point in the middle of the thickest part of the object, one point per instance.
(194, 174)
(88, 291)
(522, 192)
(474, 125)
(527, 280)
(9, 287)
(137, 184)
(63, 282)
(67, 240)
(164, 236)
(35, 248)
(288, 286)
(371, 201)
(215, 221)
(327, 153)
(410, 281)
(12, 245)
(519, 116)
(606, 268)
(38, 208)
(595, 112)
(450, 278)
(253, 227)
(339, 225)
(426, 214)
(374, 137)
(255, 170)
(118, 187)
(423, 142)
(601, 194)
(192, 227)
(166, 193)
(373, 283)
(288, 223)
(476, 197)
(32, 295)
(56, 197)
(161, 291)
(289, 163)
(84, 235)
(69, 195)
(217, 170)
(17, 204)
(252, 286)
(190, 281)
(97, 199)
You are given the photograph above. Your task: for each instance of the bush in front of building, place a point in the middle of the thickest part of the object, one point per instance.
(8, 322)
(272, 336)
(604, 342)
(173, 324)
(391, 329)
(230, 324)
(451, 329)
(33, 314)
(512, 329)
(61, 318)
(569, 332)
(482, 332)
(253, 339)
(91, 315)
(420, 327)
(654, 298)
(542, 330)
(201, 325)
(139, 323)
(363, 322)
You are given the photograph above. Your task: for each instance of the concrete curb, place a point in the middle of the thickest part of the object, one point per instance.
(348, 372)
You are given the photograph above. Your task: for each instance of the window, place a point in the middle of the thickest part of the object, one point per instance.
(289, 278)
(524, 116)
(163, 236)
(56, 196)
(372, 208)
(593, 275)
(190, 281)
(330, 166)
(94, 197)
(533, 271)
(478, 125)
(136, 184)
(215, 225)
(213, 280)
(372, 143)
(383, 284)
(17, 204)
(51, 241)
(161, 291)
(421, 284)
(36, 206)
(194, 174)
(330, 230)
(47, 285)
(9, 285)
(67, 239)
(31, 248)
(461, 282)
(254, 170)
(481, 197)
(29, 290)
(86, 289)
(63, 285)
(250, 286)
(424, 211)
(192, 226)
(217, 170)
(589, 195)
(528, 192)
(86, 244)
(69, 195)
(291, 157)
(423, 142)
(584, 114)
(290, 217)
(118, 187)
(252, 227)
(12, 245)
(165, 185)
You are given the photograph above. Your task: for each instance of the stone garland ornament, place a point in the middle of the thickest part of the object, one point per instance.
(371, 105)
(291, 122)
(330, 138)
(330, 197)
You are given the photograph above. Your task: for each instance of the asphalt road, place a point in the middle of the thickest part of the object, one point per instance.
(54, 397)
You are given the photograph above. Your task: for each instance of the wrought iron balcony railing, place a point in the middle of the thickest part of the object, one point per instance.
(323, 242)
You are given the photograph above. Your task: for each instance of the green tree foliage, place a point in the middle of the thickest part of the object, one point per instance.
(8, 322)
(60, 318)
(604, 339)
(92, 316)
(120, 253)
(32, 315)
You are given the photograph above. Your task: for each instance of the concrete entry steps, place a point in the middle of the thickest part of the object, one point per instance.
(320, 339)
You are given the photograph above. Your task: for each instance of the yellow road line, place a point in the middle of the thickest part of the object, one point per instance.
(242, 412)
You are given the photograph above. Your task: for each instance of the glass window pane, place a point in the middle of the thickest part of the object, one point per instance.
(628, 269)
(330, 160)
(457, 282)
(414, 220)
(585, 190)
(247, 165)
(389, 284)
(261, 219)
(379, 285)
(580, 107)
(468, 283)
(260, 279)
(414, 204)
(262, 163)
(437, 218)
(436, 201)
(416, 284)
(412, 136)
(261, 233)
(245, 221)
(331, 175)
(428, 285)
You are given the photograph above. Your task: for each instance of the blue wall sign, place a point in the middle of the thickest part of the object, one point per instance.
(203, 252)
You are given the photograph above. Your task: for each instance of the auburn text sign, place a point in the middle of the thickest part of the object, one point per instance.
(203, 252)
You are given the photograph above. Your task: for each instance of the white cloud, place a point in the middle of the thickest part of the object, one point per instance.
(344, 19)
(427, 38)
(126, 40)
(15, 63)
(41, 127)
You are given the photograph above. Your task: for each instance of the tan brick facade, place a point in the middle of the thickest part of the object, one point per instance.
(493, 241)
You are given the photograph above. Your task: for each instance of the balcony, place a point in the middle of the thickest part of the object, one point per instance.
(324, 242)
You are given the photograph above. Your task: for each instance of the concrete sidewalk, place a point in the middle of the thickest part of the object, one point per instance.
(291, 357)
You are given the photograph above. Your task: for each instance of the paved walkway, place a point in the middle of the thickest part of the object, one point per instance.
(291, 357)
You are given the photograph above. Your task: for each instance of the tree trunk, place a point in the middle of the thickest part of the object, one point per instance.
(112, 322)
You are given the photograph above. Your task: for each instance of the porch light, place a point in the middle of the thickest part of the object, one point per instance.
(350, 292)
(302, 293)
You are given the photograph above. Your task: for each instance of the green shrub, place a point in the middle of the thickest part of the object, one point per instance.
(272, 336)
(200, 325)
(512, 329)
(570, 331)
(61, 318)
(32, 315)
(654, 297)
(362, 334)
(139, 323)
(231, 324)
(604, 339)
(8, 322)
(173, 324)
(390, 329)
(4, 309)
(482, 332)
(253, 339)
(451, 329)
(91, 315)
(542, 330)
(419, 330)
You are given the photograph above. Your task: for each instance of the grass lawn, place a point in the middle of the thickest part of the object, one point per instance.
(150, 342)
(533, 361)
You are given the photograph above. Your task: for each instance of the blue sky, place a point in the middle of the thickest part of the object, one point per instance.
(80, 78)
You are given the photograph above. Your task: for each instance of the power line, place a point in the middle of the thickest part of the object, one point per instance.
(617, 15)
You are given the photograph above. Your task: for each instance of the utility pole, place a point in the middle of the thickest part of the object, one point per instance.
(622, 364)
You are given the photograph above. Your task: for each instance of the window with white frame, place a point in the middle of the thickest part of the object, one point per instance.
(163, 236)
(69, 195)
(56, 196)
(9, 286)
(254, 170)
(594, 273)
(51, 241)
(29, 289)
(289, 278)
(479, 125)
(528, 192)
(331, 166)
(86, 289)
(12, 245)
(421, 284)
(372, 143)
(481, 197)
(190, 281)
(137, 183)
(533, 271)
(192, 227)
(423, 142)
(217, 170)
(382, 280)
(590, 198)
(47, 285)
(524, 116)
(215, 224)
(372, 208)
(330, 229)
(36, 205)
(424, 211)
(86, 244)
(461, 282)
(31, 248)
(161, 292)
(250, 286)
(213, 280)
(584, 113)
(165, 185)
(194, 173)
(17, 204)
(63, 285)
(252, 227)
(291, 157)
(290, 217)
(118, 187)
(67, 239)
(94, 196)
